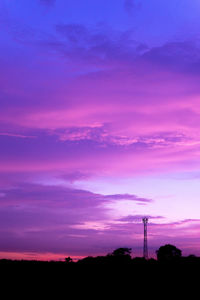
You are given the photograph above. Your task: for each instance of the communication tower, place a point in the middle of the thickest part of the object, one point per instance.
(145, 248)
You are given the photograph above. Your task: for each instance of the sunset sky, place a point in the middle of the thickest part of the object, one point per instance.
(99, 126)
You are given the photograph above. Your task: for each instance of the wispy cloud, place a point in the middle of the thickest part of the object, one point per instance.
(130, 5)
(59, 219)
(16, 135)
(66, 215)
(64, 196)
(47, 2)
(138, 218)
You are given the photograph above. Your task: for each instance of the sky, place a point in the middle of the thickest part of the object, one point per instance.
(99, 127)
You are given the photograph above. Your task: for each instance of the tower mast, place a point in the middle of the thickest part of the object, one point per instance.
(145, 248)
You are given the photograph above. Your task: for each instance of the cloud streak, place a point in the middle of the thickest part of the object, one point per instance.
(33, 217)
(55, 219)
(47, 2)
(130, 5)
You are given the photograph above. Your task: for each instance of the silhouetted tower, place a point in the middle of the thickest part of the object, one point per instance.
(145, 248)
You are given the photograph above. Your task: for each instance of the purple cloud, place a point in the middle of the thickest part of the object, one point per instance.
(177, 56)
(51, 196)
(47, 2)
(16, 135)
(130, 5)
(138, 218)
(126, 197)
(62, 220)
(33, 217)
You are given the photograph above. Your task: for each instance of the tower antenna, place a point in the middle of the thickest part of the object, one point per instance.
(145, 248)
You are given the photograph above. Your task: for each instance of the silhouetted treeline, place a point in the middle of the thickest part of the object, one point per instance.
(166, 255)
(114, 271)
(117, 273)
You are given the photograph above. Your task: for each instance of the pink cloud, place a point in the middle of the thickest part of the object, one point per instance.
(98, 152)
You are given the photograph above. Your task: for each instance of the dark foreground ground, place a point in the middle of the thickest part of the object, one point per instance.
(118, 268)
(100, 279)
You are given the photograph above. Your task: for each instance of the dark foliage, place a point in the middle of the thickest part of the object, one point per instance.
(122, 252)
(168, 253)
(119, 259)
(68, 260)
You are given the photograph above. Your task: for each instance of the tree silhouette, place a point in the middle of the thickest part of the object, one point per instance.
(68, 260)
(119, 256)
(168, 253)
(121, 252)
